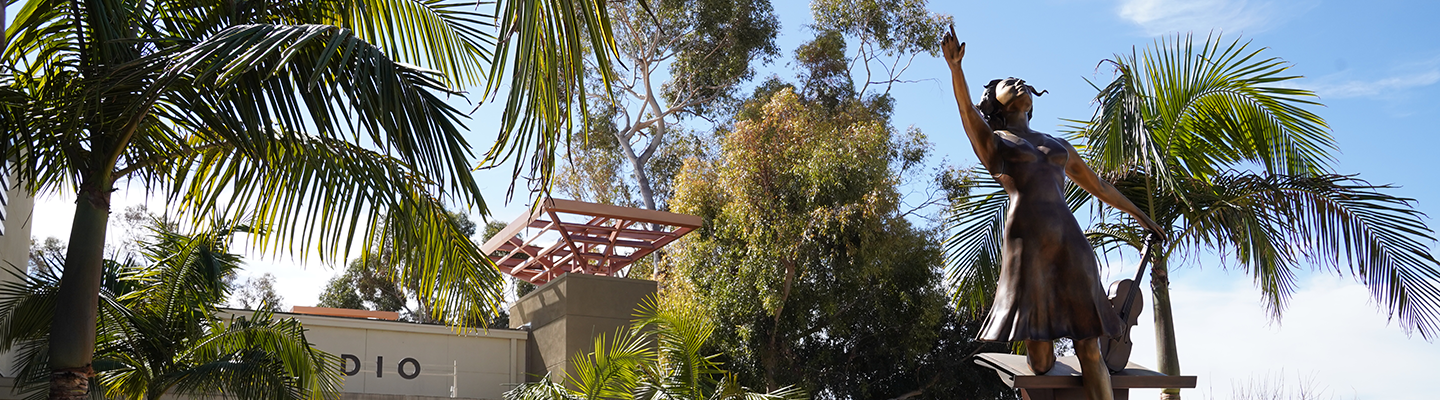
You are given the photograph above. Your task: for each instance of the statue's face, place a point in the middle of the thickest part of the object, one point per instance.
(1014, 95)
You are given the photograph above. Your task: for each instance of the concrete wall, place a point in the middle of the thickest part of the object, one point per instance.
(482, 365)
(413, 361)
(567, 313)
(14, 243)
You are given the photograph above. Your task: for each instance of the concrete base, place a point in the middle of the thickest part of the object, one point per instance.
(566, 314)
(1063, 381)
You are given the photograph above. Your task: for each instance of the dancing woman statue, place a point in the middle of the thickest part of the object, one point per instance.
(1049, 280)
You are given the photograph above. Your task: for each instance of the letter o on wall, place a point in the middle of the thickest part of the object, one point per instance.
(346, 360)
(410, 361)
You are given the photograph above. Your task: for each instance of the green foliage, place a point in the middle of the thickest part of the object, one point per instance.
(1179, 116)
(159, 330)
(542, 53)
(339, 293)
(805, 263)
(595, 168)
(258, 294)
(192, 98)
(719, 43)
(889, 34)
(659, 357)
(369, 283)
(709, 48)
(826, 75)
(1339, 223)
(896, 26)
(381, 280)
(1179, 109)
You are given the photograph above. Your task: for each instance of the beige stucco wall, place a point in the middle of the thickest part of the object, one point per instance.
(482, 364)
(14, 244)
(567, 313)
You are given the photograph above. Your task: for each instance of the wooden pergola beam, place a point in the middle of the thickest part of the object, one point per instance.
(588, 247)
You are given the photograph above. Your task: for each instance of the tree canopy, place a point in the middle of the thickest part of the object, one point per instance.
(340, 103)
(814, 276)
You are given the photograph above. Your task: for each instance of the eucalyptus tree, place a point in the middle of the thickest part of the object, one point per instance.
(685, 61)
(1206, 140)
(159, 331)
(309, 116)
(807, 263)
(888, 35)
(680, 58)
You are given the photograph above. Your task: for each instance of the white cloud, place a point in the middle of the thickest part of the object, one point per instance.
(1331, 334)
(1370, 88)
(1159, 17)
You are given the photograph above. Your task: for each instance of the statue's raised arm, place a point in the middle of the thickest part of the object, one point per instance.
(982, 138)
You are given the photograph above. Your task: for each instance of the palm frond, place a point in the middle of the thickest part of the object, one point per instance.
(320, 191)
(247, 78)
(543, 49)
(972, 251)
(1332, 221)
(682, 368)
(1176, 109)
(445, 35)
(613, 369)
(545, 389)
(256, 357)
(730, 389)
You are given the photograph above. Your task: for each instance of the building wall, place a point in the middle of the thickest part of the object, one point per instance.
(14, 242)
(566, 314)
(406, 359)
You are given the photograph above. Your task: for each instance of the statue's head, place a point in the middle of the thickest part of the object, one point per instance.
(1003, 96)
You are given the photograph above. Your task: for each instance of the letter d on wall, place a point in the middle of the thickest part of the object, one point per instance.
(346, 360)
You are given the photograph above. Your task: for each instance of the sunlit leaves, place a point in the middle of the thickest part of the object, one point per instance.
(543, 49)
(1199, 109)
(160, 332)
(658, 357)
(316, 120)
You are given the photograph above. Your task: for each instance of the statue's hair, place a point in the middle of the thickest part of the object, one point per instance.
(990, 106)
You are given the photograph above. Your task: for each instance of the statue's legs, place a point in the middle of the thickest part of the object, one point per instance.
(1041, 354)
(1093, 371)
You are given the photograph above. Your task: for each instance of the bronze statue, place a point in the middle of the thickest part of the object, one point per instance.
(1049, 280)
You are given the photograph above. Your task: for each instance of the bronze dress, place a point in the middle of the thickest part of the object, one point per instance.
(1049, 280)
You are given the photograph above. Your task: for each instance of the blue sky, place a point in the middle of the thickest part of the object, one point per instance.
(1376, 67)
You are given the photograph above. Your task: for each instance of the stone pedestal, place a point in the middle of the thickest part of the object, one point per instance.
(1063, 382)
(566, 314)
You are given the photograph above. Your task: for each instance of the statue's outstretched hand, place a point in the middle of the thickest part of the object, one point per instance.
(953, 49)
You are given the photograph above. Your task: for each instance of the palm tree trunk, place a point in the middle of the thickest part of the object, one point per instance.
(72, 331)
(1167, 355)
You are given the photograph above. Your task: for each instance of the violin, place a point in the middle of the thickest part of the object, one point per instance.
(1126, 300)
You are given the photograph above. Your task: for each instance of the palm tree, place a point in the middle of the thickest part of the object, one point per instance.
(323, 98)
(657, 358)
(158, 331)
(1173, 131)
